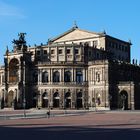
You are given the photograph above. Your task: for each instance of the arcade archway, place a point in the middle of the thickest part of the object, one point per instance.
(56, 100)
(10, 99)
(123, 100)
(79, 100)
(68, 100)
(45, 100)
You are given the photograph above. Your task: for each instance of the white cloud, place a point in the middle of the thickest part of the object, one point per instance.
(7, 10)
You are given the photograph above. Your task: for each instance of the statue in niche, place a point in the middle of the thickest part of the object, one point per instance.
(97, 76)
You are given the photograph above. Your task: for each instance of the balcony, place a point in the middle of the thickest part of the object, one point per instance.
(61, 63)
(65, 83)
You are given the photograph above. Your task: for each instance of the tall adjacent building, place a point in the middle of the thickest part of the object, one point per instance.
(77, 70)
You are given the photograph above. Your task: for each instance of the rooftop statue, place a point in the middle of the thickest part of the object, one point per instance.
(21, 41)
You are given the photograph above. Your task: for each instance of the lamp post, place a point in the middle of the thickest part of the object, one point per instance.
(65, 105)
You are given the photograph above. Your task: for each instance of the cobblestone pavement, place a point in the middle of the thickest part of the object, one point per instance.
(85, 126)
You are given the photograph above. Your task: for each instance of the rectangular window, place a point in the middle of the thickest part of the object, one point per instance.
(52, 51)
(60, 51)
(76, 51)
(89, 53)
(38, 52)
(95, 43)
(68, 51)
(45, 52)
(126, 49)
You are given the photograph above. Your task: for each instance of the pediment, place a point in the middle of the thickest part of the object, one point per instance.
(75, 34)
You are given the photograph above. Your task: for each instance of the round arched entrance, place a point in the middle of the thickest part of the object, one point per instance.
(123, 100)
(68, 100)
(34, 100)
(56, 99)
(79, 100)
(45, 100)
(10, 99)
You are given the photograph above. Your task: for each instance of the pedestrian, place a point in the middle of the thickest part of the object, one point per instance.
(48, 113)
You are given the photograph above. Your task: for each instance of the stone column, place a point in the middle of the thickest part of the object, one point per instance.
(84, 75)
(74, 75)
(132, 102)
(65, 53)
(40, 82)
(60, 72)
(51, 75)
(73, 53)
(73, 99)
(62, 75)
(62, 98)
(19, 72)
(57, 54)
(1, 79)
(38, 72)
(49, 53)
(51, 98)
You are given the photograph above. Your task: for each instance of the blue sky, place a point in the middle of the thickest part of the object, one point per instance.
(43, 19)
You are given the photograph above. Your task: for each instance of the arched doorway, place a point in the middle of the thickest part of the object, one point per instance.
(34, 100)
(10, 99)
(56, 99)
(45, 100)
(68, 100)
(123, 100)
(79, 100)
(98, 99)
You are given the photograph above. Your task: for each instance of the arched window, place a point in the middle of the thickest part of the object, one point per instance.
(56, 76)
(13, 70)
(67, 76)
(79, 76)
(45, 77)
(56, 100)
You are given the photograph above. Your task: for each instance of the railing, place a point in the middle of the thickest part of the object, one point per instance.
(65, 83)
(61, 62)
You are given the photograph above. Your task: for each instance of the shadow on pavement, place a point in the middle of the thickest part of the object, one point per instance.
(68, 133)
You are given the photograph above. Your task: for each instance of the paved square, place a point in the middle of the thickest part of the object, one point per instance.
(85, 126)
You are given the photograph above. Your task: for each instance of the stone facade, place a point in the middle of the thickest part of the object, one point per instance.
(76, 70)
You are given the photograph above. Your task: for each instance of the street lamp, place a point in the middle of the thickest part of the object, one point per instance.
(65, 105)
